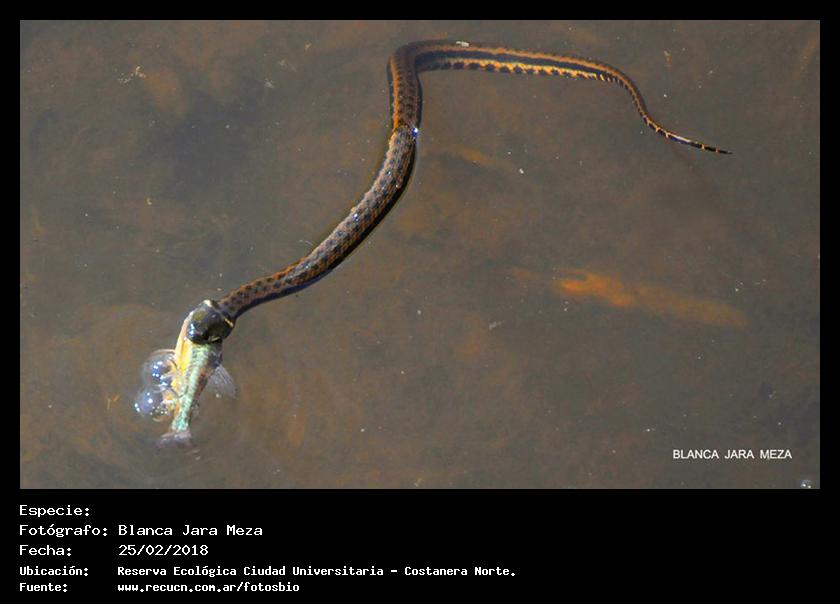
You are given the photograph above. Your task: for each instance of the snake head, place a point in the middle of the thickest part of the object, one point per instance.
(208, 324)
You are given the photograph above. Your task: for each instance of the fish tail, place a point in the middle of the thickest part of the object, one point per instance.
(176, 439)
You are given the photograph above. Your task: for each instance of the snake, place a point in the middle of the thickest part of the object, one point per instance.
(199, 345)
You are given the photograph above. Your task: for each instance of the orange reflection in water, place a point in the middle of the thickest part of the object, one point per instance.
(643, 296)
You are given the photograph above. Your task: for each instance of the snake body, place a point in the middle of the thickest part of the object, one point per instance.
(403, 68)
(212, 321)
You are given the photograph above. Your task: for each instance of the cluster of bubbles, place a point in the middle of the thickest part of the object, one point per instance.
(156, 398)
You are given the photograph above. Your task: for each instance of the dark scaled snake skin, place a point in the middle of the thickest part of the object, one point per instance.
(213, 321)
(173, 380)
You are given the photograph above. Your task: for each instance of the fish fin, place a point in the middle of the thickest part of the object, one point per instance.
(220, 382)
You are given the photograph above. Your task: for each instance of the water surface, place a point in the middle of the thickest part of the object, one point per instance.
(559, 299)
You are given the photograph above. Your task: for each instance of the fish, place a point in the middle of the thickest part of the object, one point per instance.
(174, 380)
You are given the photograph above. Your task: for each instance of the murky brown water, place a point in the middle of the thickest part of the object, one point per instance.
(559, 299)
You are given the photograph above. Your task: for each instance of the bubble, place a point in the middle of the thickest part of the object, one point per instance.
(159, 368)
(156, 402)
